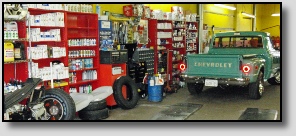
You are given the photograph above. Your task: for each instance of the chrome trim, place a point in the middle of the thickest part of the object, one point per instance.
(221, 81)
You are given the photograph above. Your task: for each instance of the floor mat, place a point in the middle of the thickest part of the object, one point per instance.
(259, 114)
(179, 111)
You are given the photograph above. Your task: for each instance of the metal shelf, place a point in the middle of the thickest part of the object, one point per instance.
(83, 69)
(16, 61)
(15, 19)
(19, 39)
(82, 82)
(82, 57)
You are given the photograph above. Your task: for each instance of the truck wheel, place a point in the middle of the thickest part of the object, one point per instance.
(256, 89)
(195, 88)
(276, 80)
(59, 105)
(132, 96)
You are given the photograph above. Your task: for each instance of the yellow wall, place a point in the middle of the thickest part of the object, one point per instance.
(265, 20)
(239, 23)
(117, 8)
(167, 7)
(225, 18)
(244, 23)
(212, 16)
(114, 8)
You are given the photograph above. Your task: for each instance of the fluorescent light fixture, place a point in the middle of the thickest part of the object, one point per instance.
(248, 15)
(224, 6)
(276, 14)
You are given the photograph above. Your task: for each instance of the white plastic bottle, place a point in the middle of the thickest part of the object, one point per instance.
(84, 75)
(95, 74)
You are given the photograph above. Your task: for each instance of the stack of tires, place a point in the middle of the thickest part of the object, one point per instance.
(96, 110)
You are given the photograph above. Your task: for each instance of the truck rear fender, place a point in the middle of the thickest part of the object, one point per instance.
(256, 65)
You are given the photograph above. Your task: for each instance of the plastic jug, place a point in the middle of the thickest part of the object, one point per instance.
(8, 52)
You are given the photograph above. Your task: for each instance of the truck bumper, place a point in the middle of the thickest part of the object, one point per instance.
(221, 81)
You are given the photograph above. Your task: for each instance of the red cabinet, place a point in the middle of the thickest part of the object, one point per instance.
(108, 74)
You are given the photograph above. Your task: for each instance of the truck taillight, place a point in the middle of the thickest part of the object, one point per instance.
(182, 66)
(246, 68)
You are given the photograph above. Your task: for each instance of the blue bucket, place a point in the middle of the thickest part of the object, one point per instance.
(154, 93)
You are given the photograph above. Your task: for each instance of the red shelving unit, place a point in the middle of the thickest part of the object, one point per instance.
(83, 26)
(192, 44)
(76, 26)
(174, 47)
(17, 69)
(45, 62)
(179, 45)
(160, 35)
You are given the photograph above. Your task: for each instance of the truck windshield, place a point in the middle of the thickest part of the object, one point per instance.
(238, 42)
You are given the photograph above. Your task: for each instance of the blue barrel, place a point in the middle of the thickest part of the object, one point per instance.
(154, 92)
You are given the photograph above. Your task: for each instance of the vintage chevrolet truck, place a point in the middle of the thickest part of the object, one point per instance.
(245, 59)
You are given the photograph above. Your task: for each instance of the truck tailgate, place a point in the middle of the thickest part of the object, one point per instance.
(206, 65)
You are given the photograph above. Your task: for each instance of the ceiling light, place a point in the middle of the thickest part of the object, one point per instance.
(224, 6)
(248, 15)
(276, 14)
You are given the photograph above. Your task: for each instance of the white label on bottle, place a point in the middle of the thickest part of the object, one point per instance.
(9, 53)
(151, 82)
(17, 53)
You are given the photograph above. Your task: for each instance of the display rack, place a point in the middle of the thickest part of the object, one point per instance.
(47, 32)
(179, 47)
(70, 25)
(192, 44)
(82, 27)
(160, 35)
(105, 32)
(12, 69)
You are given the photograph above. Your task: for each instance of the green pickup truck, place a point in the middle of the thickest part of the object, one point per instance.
(245, 58)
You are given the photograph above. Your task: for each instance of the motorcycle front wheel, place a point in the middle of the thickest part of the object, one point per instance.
(58, 104)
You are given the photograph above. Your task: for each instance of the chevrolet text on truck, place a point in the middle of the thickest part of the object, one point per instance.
(245, 58)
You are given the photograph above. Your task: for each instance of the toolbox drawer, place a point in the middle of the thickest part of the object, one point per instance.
(113, 57)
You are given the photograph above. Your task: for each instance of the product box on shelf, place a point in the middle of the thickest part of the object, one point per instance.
(128, 10)
(147, 12)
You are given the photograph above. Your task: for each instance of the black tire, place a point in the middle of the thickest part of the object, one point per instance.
(94, 115)
(62, 102)
(256, 89)
(273, 80)
(96, 105)
(195, 88)
(19, 95)
(131, 90)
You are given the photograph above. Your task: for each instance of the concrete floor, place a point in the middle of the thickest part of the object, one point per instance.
(216, 104)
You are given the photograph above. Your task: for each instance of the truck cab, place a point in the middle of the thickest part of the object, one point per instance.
(245, 58)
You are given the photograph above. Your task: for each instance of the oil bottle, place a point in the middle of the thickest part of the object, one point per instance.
(19, 51)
